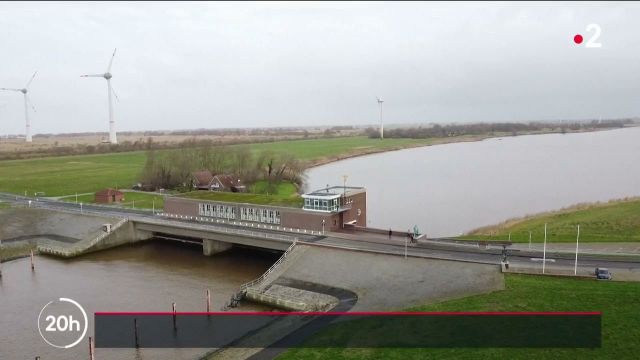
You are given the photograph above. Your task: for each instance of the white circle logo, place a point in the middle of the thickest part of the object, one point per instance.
(62, 323)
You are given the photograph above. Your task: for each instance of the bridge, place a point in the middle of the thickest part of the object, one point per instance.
(219, 235)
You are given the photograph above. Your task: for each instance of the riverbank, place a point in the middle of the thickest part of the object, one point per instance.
(18, 251)
(24, 230)
(608, 222)
(435, 141)
(58, 176)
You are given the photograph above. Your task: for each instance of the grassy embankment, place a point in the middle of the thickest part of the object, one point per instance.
(618, 302)
(68, 175)
(614, 221)
(12, 252)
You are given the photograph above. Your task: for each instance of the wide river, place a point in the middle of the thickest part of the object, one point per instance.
(451, 189)
(130, 278)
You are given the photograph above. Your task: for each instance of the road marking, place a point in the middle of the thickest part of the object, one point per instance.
(540, 259)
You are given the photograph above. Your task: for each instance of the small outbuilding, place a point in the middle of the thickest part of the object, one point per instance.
(108, 196)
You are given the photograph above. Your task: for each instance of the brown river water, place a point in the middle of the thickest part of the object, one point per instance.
(450, 189)
(143, 277)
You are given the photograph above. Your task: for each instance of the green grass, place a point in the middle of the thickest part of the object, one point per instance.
(618, 301)
(259, 199)
(284, 188)
(322, 148)
(131, 200)
(67, 175)
(616, 221)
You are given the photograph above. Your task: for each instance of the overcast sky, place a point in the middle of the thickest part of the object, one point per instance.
(216, 65)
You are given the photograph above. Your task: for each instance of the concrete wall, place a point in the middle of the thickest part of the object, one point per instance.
(127, 233)
(212, 247)
(387, 282)
(23, 222)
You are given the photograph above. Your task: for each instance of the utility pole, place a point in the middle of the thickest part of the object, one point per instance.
(406, 240)
(575, 267)
(380, 101)
(544, 249)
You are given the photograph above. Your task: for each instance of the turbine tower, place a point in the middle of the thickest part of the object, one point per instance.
(27, 103)
(380, 101)
(107, 75)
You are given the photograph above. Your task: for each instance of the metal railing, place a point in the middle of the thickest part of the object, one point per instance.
(247, 224)
(45, 246)
(219, 229)
(273, 267)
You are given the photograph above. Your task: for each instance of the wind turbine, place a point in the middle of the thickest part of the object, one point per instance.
(380, 101)
(107, 75)
(27, 103)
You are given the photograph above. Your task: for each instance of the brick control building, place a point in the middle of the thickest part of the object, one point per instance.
(332, 208)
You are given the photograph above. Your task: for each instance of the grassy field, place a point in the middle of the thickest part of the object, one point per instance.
(67, 175)
(135, 200)
(615, 221)
(260, 199)
(618, 302)
(284, 188)
(327, 148)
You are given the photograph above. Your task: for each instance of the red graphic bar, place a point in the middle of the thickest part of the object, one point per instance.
(365, 313)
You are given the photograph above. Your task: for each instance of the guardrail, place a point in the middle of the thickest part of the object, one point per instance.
(220, 229)
(273, 267)
(246, 224)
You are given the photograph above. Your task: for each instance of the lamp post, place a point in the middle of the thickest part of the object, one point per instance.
(344, 183)
(544, 249)
(575, 267)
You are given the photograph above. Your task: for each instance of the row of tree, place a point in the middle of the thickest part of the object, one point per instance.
(173, 169)
(137, 145)
(437, 130)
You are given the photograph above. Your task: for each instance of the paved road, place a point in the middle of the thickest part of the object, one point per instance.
(371, 243)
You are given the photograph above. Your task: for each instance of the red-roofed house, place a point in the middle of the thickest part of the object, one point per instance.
(204, 180)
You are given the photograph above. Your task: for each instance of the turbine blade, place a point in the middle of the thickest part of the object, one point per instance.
(10, 89)
(111, 61)
(29, 83)
(93, 75)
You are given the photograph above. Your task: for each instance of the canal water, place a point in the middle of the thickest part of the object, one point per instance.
(450, 189)
(143, 277)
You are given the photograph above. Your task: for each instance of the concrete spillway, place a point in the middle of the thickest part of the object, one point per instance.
(381, 281)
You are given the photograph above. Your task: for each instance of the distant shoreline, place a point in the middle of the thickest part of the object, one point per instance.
(442, 141)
